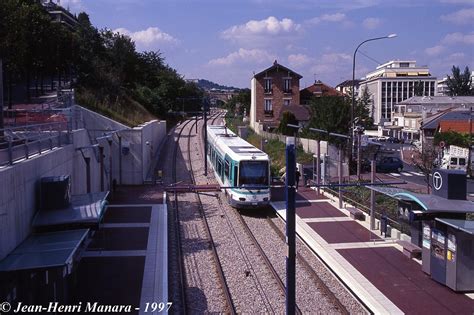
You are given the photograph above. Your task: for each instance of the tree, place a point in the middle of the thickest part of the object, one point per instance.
(240, 102)
(363, 108)
(424, 161)
(460, 84)
(332, 114)
(287, 118)
(452, 138)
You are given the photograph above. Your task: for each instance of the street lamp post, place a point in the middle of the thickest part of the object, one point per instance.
(353, 92)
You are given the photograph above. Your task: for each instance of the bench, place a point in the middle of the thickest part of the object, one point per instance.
(356, 214)
(410, 250)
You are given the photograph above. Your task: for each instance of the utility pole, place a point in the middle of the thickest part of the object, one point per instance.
(339, 170)
(1, 98)
(469, 148)
(290, 226)
(205, 136)
(318, 164)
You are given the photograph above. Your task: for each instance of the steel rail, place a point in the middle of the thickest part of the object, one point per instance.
(220, 272)
(319, 282)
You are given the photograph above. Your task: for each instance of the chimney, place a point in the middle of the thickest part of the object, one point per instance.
(275, 62)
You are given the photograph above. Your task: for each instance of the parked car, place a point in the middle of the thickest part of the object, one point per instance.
(393, 140)
(389, 164)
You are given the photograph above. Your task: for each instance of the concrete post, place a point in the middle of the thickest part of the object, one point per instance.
(205, 139)
(339, 171)
(358, 155)
(120, 159)
(372, 194)
(290, 226)
(1, 98)
(110, 164)
(101, 161)
(318, 165)
(88, 173)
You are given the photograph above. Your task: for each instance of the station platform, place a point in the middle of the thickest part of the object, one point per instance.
(372, 267)
(126, 261)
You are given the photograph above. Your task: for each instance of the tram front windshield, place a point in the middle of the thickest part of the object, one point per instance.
(253, 173)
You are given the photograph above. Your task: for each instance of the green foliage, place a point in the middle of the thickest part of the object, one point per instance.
(452, 138)
(331, 114)
(460, 84)
(105, 65)
(287, 118)
(239, 102)
(363, 108)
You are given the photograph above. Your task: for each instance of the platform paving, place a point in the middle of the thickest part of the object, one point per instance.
(374, 268)
(126, 261)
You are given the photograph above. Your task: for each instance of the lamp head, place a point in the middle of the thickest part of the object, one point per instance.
(391, 35)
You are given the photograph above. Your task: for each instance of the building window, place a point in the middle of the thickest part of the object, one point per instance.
(287, 85)
(268, 105)
(404, 64)
(268, 85)
(286, 102)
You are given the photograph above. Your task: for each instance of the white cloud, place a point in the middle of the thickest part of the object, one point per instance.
(148, 37)
(298, 60)
(333, 58)
(435, 50)
(371, 23)
(336, 17)
(458, 1)
(256, 32)
(457, 56)
(458, 38)
(464, 16)
(249, 56)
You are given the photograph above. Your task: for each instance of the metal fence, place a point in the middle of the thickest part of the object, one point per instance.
(23, 142)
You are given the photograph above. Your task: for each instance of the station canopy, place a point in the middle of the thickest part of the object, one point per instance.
(428, 202)
(86, 209)
(45, 250)
(462, 225)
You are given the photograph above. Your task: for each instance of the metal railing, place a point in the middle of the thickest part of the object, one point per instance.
(23, 142)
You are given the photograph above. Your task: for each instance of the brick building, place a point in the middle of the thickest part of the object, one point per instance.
(317, 89)
(273, 91)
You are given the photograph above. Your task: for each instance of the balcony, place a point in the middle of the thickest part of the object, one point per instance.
(287, 91)
(268, 113)
(268, 91)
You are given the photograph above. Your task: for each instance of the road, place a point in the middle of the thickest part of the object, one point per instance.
(410, 172)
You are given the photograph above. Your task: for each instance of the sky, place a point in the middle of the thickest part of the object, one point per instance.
(227, 41)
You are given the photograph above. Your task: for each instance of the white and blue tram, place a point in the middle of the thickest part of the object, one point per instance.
(239, 165)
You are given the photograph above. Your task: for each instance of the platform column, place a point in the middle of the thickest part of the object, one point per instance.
(290, 225)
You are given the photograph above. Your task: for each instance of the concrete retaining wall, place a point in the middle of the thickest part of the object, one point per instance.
(19, 182)
(18, 192)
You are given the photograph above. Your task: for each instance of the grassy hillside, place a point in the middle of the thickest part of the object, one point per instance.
(124, 110)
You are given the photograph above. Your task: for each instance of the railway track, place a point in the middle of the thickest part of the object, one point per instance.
(222, 281)
(318, 281)
(262, 253)
(245, 275)
(182, 278)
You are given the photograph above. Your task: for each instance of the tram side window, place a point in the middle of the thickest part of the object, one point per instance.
(226, 169)
(219, 167)
(235, 175)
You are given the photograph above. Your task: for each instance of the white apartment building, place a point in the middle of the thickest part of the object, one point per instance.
(443, 85)
(394, 82)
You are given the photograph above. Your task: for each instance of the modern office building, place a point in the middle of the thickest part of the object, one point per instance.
(394, 82)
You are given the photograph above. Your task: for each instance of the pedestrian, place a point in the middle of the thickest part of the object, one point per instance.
(297, 178)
